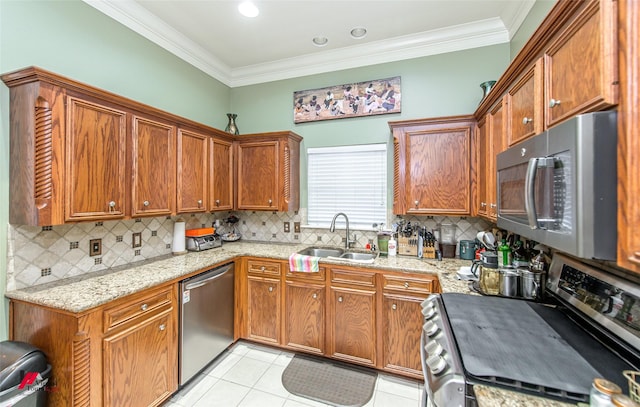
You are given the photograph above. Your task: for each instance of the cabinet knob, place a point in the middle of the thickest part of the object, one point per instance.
(526, 120)
(270, 289)
(217, 202)
(112, 206)
(406, 284)
(145, 203)
(270, 202)
(144, 307)
(394, 306)
(553, 103)
(415, 203)
(492, 206)
(315, 295)
(199, 203)
(340, 299)
(263, 268)
(483, 204)
(162, 327)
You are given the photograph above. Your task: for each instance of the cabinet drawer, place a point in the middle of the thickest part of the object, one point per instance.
(408, 284)
(116, 316)
(264, 267)
(306, 276)
(353, 277)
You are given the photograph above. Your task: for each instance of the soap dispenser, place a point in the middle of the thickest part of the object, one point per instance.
(393, 245)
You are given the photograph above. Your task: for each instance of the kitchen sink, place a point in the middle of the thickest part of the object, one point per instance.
(322, 252)
(358, 256)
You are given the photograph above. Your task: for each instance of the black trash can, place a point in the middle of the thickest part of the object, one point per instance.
(24, 374)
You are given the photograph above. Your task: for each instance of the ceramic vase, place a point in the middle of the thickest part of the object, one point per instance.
(486, 88)
(231, 126)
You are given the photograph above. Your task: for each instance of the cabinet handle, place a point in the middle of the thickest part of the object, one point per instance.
(415, 203)
(199, 203)
(315, 296)
(406, 284)
(553, 103)
(394, 306)
(145, 203)
(483, 204)
(492, 206)
(340, 299)
(162, 327)
(526, 120)
(217, 202)
(144, 307)
(112, 205)
(270, 289)
(263, 268)
(270, 202)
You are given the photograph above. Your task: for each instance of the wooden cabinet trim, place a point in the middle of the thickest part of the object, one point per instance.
(132, 309)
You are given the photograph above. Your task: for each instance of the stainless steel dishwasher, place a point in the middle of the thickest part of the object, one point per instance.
(206, 319)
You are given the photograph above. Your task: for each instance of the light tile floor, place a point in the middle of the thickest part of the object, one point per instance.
(249, 375)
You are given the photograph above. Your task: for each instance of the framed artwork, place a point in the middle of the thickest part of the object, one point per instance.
(379, 96)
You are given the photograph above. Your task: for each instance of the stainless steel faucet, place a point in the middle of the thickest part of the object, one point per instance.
(348, 242)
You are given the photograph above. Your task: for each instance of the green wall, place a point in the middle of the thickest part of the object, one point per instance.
(537, 13)
(75, 40)
(440, 85)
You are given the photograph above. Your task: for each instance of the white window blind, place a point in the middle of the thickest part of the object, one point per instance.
(349, 179)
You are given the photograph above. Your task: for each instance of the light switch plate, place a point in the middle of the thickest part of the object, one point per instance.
(296, 227)
(136, 240)
(287, 227)
(95, 247)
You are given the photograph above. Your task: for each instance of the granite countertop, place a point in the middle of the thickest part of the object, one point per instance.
(82, 293)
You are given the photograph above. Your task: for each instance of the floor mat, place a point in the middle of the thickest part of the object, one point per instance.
(328, 381)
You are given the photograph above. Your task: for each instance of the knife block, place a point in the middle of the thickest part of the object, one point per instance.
(408, 246)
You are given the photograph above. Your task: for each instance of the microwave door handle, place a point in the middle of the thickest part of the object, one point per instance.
(529, 193)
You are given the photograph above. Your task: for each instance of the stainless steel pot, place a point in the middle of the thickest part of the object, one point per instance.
(508, 282)
(531, 283)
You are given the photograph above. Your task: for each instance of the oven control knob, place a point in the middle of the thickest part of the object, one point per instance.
(433, 348)
(436, 364)
(430, 328)
(428, 312)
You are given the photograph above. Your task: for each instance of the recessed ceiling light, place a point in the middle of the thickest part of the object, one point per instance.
(359, 32)
(320, 41)
(248, 9)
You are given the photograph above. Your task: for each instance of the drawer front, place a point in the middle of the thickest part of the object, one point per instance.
(116, 316)
(307, 276)
(353, 277)
(264, 267)
(408, 284)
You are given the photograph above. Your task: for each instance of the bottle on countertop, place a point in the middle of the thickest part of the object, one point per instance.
(504, 254)
(392, 246)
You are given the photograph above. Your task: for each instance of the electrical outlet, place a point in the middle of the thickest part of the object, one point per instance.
(136, 240)
(296, 227)
(287, 227)
(95, 247)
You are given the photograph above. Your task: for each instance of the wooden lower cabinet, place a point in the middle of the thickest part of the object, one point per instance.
(124, 353)
(304, 316)
(401, 329)
(264, 318)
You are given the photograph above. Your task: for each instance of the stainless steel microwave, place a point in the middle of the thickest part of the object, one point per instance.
(559, 188)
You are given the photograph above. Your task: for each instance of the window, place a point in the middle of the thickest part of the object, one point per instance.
(350, 179)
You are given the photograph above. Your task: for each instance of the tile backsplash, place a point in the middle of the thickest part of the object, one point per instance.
(38, 255)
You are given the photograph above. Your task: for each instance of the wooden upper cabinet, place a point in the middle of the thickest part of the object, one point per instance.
(581, 69)
(524, 105)
(153, 169)
(482, 170)
(268, 171)
(432, 163)
(221, 179)
(497, 137)
(96, 161)
(192, 171)
(629, 139)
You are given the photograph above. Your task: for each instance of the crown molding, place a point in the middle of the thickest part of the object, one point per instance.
(456, 38)
(517, 15)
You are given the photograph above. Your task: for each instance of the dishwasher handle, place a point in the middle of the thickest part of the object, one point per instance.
(222, 271)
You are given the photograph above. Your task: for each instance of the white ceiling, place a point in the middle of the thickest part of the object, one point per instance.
(236, 50)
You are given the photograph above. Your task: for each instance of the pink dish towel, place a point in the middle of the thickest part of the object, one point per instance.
(299, 262)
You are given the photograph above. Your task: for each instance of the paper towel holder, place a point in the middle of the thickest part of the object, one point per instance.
(178, 244)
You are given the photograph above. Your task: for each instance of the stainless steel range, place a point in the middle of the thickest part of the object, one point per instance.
(589, 329)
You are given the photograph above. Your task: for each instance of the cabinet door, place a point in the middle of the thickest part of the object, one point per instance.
(497, 128)
(524, 105)
(221, 175)
(581, 69)
(153, 168)
(483, 164)
(353, 325)
(258, 171)
(192, 171)
(304, 323)
(263, 314)
(438, 172)
(141, 363)
(401, 329)
(96, 162)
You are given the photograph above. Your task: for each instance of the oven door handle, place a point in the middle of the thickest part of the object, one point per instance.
(530, 193)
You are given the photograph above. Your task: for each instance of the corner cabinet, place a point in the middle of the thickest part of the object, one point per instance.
(221, 180)
(432, 166)
(121, 353)
(268, 171)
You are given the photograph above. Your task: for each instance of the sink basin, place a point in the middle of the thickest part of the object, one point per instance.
(358, 256)
(321, 252)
